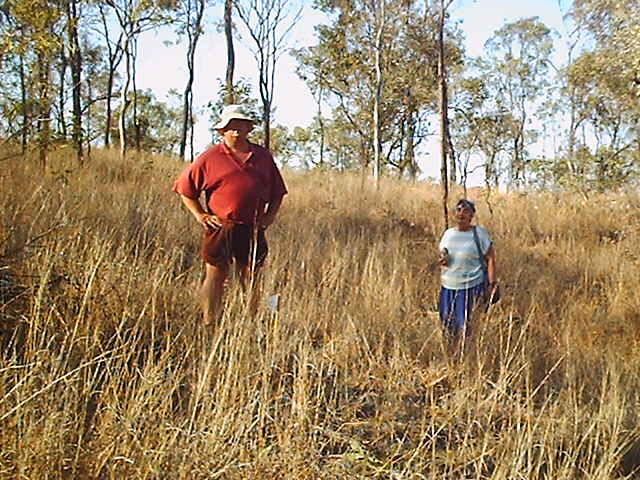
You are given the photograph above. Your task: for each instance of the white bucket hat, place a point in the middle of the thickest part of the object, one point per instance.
(231, 112)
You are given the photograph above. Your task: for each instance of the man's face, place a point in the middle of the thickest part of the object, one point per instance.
(236, 130)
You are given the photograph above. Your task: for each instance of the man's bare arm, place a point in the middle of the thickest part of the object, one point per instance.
(207, 220)
(272, 211)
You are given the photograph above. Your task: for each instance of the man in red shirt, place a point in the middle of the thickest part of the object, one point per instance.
(243, 191)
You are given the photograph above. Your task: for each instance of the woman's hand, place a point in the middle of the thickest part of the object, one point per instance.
(444, 257)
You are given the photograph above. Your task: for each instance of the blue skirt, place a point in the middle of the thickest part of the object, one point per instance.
(456, 307)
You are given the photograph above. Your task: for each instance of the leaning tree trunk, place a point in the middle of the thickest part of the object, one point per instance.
(124, 104)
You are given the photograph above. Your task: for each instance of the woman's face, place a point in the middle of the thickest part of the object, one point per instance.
(463, 216)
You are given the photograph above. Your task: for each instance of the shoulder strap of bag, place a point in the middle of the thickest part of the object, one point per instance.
(482, 260)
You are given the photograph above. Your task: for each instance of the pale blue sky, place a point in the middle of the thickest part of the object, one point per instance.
(163, 67)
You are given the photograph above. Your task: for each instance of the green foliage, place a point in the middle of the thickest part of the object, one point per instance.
(280, 144)
(501, 104)
(515, 68)
(158, 123)
(342, 65)
(479, 129)
(602, 97)
(341, 148)
(37, 21)
(615, 25)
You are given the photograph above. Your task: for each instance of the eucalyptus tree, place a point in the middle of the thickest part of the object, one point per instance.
(49, 54)
(343, 64)
(39, 25)
(16, 106)
(613, 136)
(615, 25)
(313, 74)
(609, 77)
(231, 52)
(446, 149)
(188, 19)
(158, 122)
(268, 24)
(479, 130)
(95, 96)
(515, 63)
(73, 16)
(380, 20)
(134, 17)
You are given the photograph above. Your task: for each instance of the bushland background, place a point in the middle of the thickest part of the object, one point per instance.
(547, 96)
(106, 372)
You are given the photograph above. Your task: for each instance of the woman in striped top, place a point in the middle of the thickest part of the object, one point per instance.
(463, 274)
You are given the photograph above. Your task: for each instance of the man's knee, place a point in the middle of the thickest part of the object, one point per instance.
(216, 272)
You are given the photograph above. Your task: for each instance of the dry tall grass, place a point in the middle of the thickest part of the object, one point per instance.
(106, 373)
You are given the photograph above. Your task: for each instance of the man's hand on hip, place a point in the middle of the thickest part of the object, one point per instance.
(210, 222)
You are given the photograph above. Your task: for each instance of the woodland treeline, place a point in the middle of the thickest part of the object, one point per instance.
(386, 75)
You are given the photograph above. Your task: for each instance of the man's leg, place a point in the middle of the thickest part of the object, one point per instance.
(250, 281)
(211, 293)
(252, 252)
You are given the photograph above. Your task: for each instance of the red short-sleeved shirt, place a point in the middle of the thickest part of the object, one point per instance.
(234, 191)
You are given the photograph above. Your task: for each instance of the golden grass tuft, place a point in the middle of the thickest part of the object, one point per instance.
(106, 372)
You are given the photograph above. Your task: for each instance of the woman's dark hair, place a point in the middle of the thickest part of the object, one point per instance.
(463, 202)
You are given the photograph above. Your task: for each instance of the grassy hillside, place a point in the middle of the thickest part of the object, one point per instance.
(106, 372)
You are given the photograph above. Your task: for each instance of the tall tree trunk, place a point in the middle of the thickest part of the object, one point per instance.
(193, 33)
(76, 76)
(89, 117)
(377, 140)
(62, 121)
(453, 166)
(444, 180)
(114, 56)
(321, 125)
(409, 152)
(269, 41)
(266, 93)
(134, 88)
(108, 113)
(25, 112)
(186, 116)
(44, 110)
(266, 122)
(124, 103)
(231, 56)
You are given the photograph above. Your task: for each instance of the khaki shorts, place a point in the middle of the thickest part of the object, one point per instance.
(237, 242)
